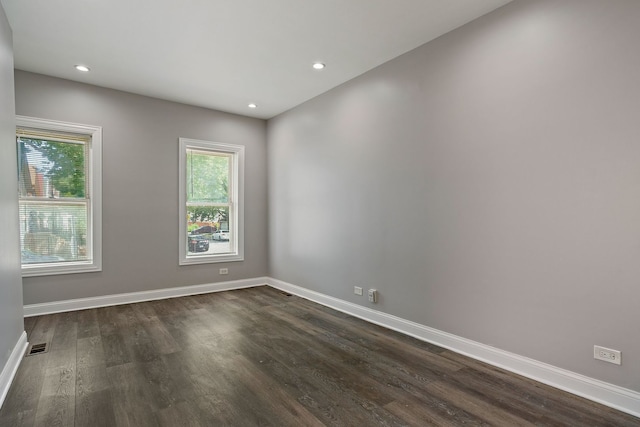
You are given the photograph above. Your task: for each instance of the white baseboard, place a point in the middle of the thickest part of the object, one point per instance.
(12, 365)
(620, 398)
(132, 297)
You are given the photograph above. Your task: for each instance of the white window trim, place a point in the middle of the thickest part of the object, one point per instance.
(237, 197)
(94, 231)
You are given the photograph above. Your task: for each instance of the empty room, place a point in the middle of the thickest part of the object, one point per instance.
(320, 212)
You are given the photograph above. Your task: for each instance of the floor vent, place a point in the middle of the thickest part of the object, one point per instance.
(37, 349)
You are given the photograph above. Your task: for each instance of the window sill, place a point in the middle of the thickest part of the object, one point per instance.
(211, 259)
(59, 269)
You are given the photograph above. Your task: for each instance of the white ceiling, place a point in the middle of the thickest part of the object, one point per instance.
(225, 54)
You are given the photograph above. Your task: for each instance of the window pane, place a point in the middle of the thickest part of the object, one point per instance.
(52, 232)
(211, 195)
(207, 177)
(51, 168)
(208, 230)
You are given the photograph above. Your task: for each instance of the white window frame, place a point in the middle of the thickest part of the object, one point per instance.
(94, 207)
(236, 185)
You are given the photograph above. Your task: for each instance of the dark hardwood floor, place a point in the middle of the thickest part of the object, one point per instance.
(258, 357)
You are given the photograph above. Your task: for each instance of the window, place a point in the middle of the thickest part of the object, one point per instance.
(211, 202)
(59, 196)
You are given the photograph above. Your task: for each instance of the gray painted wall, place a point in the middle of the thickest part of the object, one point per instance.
(11, 324)
(486, 183)
(140, 186)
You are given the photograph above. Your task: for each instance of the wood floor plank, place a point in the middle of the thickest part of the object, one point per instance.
(288, 409)
(141, 347)
(88, 323)
(382, 341)
(566, 409)
(159, 335)
(194, 302)
(23, 396)
(56, 404)
(416, 413)
(325, 406)
(93, 394)
(378, 365)
(144, 310)
(167, 307)
(216, 321)
(163, 389)
(329, 375)
(130, 396)
(95, 409)
(515, 397)
(258, 357)
(112, 327)
(19, 419)
(66, 331)
(220, 381)
(195, 373)
(477, 406)
(184, 414)
(187, 330)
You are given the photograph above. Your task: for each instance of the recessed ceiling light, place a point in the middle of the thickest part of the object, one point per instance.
(318, 65)
(82, 68)
(253, 105)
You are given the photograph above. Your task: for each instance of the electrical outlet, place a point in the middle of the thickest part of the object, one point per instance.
(224, 271)
(373, 295)
(357, 290)
(607, 355)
